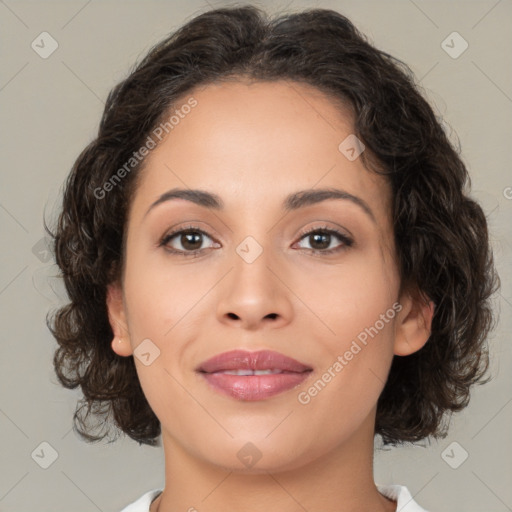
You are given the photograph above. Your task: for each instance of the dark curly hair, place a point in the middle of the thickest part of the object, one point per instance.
(440, 233)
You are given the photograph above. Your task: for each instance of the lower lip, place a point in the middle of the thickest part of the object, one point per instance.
(254, 387)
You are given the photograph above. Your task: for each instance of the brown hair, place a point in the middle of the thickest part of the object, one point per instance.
(440, 233)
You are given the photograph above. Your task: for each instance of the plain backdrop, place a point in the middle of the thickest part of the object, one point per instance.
(50, 109)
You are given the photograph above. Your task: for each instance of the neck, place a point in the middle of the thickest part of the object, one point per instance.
(340, 479)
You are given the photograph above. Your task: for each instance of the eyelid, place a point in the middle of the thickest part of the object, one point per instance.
(172, 232)
(188, 226)
(325, 227)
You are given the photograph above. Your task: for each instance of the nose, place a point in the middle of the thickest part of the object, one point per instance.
(254, 295)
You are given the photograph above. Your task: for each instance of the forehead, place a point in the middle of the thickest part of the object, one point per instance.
(254, 143)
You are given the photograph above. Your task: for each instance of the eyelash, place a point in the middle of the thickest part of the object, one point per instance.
(347, 242)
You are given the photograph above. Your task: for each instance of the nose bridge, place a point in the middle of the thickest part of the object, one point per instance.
(253, 293)
(251, 274)
(253, 252)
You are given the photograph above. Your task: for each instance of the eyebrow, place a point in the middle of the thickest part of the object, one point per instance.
(292, 202)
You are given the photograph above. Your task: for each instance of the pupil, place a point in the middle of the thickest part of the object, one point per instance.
(187, 243)
(317, 236)
(190, 244)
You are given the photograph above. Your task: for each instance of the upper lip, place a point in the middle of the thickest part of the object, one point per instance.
(244, 360)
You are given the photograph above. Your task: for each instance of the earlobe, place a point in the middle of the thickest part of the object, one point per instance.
(117, 317)
(121, 347)
(414, 325)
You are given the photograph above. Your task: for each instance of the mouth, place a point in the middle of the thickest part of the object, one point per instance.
(252, 376)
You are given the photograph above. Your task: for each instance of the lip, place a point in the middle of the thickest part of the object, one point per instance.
(253, 387)
(244, 360)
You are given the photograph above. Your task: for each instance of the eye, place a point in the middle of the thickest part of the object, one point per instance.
(321, 239)
(190, 239)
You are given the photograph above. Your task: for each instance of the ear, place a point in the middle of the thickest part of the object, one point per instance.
(414, 323)
(117, 316)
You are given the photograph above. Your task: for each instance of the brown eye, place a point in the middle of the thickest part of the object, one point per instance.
(186, 242)
(321, 239)
(190, 240)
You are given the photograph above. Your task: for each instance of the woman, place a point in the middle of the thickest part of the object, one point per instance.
(271, 259)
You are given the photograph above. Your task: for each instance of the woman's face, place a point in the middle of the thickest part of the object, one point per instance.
(255, 283)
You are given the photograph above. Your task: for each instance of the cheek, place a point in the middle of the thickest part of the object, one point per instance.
(352, 296)
(160, 295)
(359, 305)
(354, 366)
(363, 307)
(160, 303)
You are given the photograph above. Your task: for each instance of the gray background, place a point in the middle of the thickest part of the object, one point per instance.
(50, 109)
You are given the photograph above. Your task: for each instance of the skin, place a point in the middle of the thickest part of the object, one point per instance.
(253, 144)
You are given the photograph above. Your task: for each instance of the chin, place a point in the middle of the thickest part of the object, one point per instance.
(260, 456)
